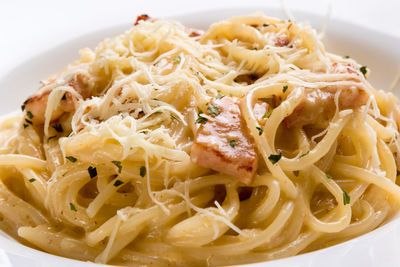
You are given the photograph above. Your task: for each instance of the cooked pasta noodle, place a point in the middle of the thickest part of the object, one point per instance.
(106, 162)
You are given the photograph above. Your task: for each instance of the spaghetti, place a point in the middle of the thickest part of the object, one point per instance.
(131, 154)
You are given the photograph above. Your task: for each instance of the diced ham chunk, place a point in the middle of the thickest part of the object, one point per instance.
(223, 143)
(37, 104)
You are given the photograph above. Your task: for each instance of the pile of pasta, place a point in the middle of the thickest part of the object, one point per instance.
(107, 177)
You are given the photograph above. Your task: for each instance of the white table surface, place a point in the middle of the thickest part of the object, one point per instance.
(29, 27)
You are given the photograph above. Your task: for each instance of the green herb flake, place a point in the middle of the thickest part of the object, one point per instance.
(118, 164)
(173, 117)
(363, 70)
(29, 121)
(58, 127)
(254, 48)
(265, 25)
(201, 119)
(23, 106)
(285, 88)
(29, 114)
(177, 59)
(32, 180)
(303, 155)
(268, 114)
(274, 158)
(260, 131)
(92, 172)
(213, 109)
(118, 183)
(346, 198)
(219, 96)
(346, 57)
(51, 137)
(232, 143)
(328, 176)
(25, 125)
(64, 97)
(142, 171)
(71, 158)
(72, 207)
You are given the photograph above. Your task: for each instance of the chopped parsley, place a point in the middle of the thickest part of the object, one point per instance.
(268, 114)
(265, 25)
(32, 180)
(24, 105)
(232, 143)
(219, 96)
(58, 127)
(92, 172)
(71, 158)
(118, 183)
(346, 198)
(142, 171)
(64, 97)
(72, 207)
(177, 59)
(29, 121)
(285, 88)
(29, 114)
(254, 48)
(274, 158)
(201, 119)
(328, 176)
(213, 109)
(118, 164)
(305, 154)
(175, 118)
(363, 70)
(260, 131)
(25, 125)
(346, 57)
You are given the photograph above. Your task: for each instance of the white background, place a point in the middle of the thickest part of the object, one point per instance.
(32, 26)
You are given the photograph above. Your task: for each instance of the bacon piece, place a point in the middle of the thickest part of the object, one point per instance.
(37, 104)
(318, 107)
(143, 17)
(194, 33)
(282, 40)
(214, 146)
(338, 67)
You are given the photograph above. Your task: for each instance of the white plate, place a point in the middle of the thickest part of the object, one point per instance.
(378, 51)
